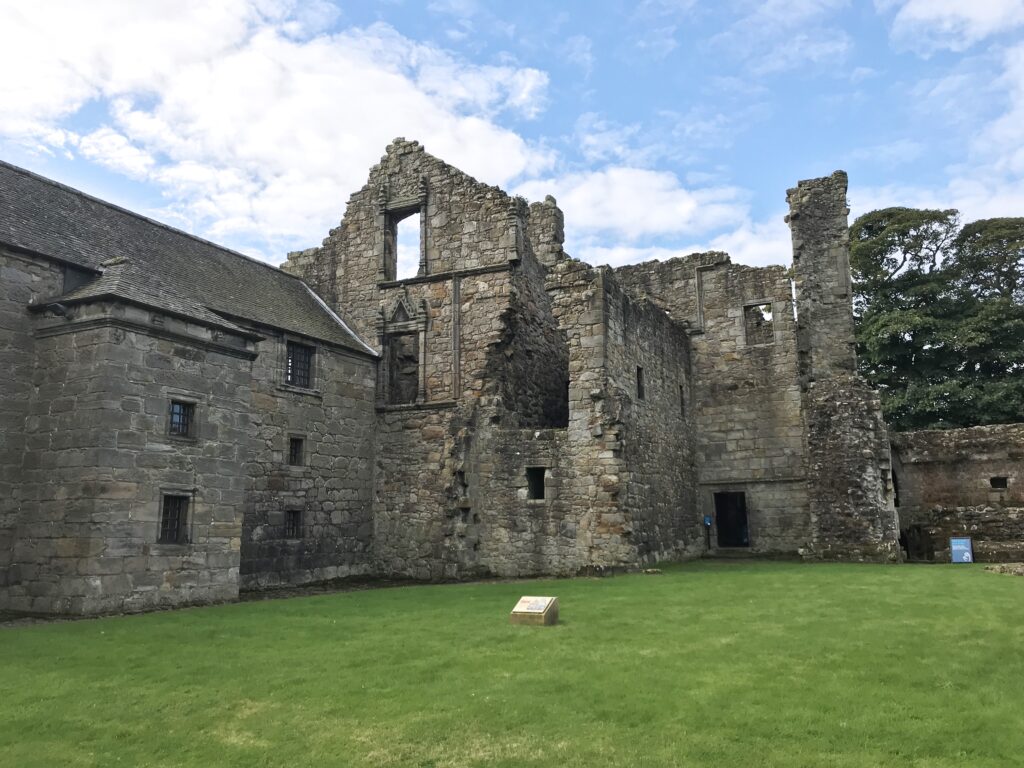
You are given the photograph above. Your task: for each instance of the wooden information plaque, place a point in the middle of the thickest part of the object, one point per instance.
(535, 610)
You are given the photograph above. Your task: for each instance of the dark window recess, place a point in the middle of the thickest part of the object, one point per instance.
(535, 482)
(173, 520)
(640, 392)
(293, 524)
(998, 482)
(296, 451)
(759, 324)
(731, 519)
(403, 368)
(182, 418)
(299, 366)
(682, 400)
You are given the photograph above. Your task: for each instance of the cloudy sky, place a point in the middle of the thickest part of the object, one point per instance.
(662, 126)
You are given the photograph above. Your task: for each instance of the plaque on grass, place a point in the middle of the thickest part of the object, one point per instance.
(535, 610)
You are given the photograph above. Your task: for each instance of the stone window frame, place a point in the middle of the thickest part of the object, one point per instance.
(546, 486)
(641, 384)
(287, 450)
(188, 541)
(390, 211)
(416, 322)
(299, 530)
(743, 321)
(198, 414)
(316, 375)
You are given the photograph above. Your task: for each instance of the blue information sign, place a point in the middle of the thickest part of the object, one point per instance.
(961, 551)
(707, 520)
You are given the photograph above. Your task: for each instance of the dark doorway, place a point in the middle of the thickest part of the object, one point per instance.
(731, 519)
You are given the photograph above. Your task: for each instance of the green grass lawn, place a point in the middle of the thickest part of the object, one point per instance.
(708, 664)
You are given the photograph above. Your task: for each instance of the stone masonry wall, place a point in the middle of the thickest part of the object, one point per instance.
(331, 488)
(99, 458)
(950, 483)
(23, 280)
(745, 394)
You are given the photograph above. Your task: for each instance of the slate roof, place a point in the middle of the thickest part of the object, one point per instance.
(144, 261)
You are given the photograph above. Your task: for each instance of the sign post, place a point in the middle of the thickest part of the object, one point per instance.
(961, 550)
(707, 532)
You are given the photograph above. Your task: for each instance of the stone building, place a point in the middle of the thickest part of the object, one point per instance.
(180, 421)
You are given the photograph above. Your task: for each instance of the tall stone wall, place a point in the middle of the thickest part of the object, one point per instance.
(99, 459)
(745, 393)
(23, 280)
(851, 498)
(330, 488)
(961, 482)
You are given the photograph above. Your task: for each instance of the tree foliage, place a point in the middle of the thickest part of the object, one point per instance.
(939, 313)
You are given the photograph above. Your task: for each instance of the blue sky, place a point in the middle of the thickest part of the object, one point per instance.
(661, 126)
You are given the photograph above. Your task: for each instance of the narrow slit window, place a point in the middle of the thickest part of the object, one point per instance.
(535, 482)
(182, 420)
(299, 365)
(759, 324)
(173, 519)
(999, 483)
(293, 524)
(641, 392)
(296, 451)
(682, 400)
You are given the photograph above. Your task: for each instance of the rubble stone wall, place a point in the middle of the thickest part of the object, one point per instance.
(331, 488)
(24, 280)
(99, 458)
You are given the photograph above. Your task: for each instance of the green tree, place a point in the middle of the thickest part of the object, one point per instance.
(939, 316)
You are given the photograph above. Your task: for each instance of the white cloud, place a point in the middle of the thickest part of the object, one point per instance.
(579, 50)
(251, 126)
(926, 26)
(633, 203)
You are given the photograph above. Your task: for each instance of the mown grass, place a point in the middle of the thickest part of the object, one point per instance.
(709, 664)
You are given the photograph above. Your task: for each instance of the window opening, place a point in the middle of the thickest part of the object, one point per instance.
(640, 393)
(682, 400)
(407, 240)
(293, 524)
(759, 324)
(299, 365)
(182, 418)
(535, 482)
(403, 368)
(998, 482)
(173, 519)
(296, 446)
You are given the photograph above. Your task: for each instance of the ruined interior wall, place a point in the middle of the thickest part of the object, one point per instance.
(658, 486)
(99, 458)
(745, 393)
(851, 498)
(946, 489)
(332, 488)
(22, 280)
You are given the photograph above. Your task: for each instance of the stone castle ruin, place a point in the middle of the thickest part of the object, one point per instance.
(181, 422)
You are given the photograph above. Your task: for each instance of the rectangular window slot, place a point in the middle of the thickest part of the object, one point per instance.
(999, 483)
(759, 324)
(293, 524)
(682, 400)
(535, 482)
(173, 519)
(299, 365)
(296, 451)
(640, 391)
(182, 418)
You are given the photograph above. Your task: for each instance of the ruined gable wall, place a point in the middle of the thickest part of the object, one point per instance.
(332, 488)
(99, 458)
(745, 393)
(22, 279)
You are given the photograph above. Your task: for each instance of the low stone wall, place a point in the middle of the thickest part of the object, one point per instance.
(997, 533)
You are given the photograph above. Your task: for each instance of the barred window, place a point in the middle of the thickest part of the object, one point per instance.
(182, 418)
(173, 520)
(293, 524)
(296, 449)
(299, 365)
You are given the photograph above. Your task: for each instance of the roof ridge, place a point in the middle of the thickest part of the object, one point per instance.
(147, 219)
